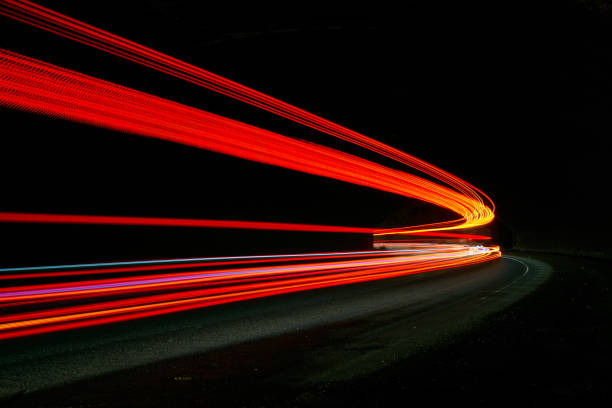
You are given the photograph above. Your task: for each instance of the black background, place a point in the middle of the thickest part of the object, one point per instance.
(512, 97)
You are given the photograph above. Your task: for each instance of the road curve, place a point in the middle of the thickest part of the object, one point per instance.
(374, 322)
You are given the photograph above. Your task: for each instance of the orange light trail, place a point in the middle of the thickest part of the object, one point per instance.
(196, 289)
(45, 299)
(477, 212)
(35, 86)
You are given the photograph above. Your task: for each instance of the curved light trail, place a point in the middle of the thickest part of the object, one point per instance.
(98, 301)
(35, 86)
(44, 299)
(25, 11)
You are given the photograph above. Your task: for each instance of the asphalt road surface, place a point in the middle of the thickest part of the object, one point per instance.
(349, 330)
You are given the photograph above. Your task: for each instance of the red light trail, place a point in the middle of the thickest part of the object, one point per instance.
(57, 23)
(200, 288)
(174, 222)
(112, 292)
(39, 87)
(185, 222)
